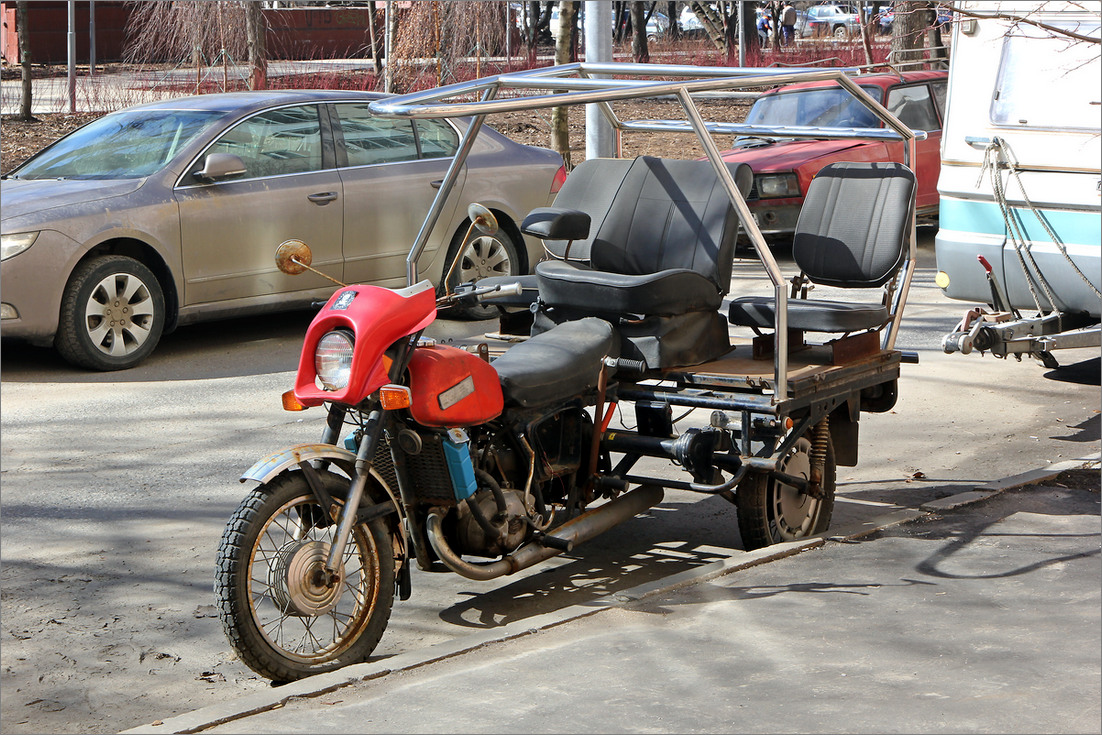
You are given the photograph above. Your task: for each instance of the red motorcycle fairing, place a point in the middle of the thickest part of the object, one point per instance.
(452, 388)
(377, 317)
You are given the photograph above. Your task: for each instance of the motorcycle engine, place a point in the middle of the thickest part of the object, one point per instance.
(504, 526)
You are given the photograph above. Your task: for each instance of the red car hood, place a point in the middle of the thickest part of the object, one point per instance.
(789, 155)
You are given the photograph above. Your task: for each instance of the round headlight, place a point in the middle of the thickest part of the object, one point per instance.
(333, 360)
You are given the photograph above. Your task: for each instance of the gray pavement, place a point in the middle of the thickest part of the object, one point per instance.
(981, 614)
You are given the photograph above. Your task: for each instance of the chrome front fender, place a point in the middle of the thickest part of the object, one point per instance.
(279, 462)
(274, 464)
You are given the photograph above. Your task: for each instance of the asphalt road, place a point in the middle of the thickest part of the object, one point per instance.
(114, 489)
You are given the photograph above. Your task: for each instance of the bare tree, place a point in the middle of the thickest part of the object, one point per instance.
(560, 116)
(448, 32)
(256, 33)
(24, 60)
(908, 31)
(205, 34)
(372, 41)
(639, 52)
(1025, 19)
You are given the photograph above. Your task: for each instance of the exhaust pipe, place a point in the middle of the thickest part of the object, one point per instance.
(575, 531)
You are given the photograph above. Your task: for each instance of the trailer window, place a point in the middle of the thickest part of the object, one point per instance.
(1047, 81)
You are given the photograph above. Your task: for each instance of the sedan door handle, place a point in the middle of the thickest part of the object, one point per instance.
(323, 198)
(437, 184)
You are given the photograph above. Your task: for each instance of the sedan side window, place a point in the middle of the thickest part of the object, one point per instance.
(369, 139)
(913, 107)
(273, 143)
(438, 139)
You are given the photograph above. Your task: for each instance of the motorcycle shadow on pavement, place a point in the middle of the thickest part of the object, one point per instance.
(645, 549)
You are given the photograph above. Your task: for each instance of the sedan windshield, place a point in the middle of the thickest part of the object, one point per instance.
(827, 107)
(123, 145)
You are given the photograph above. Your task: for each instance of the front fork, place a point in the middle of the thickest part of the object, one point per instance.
(334, 565)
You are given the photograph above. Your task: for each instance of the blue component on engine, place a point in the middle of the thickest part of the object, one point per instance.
(460, 467)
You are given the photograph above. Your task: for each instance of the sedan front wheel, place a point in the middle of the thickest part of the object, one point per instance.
(484, 256)
(112, 314)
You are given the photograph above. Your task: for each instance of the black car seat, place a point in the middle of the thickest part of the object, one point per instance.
(852, 233)
(659, 260)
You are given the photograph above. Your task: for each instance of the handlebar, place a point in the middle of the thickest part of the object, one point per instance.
(481, 293)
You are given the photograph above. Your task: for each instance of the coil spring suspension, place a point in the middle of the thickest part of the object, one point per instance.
(820, 441)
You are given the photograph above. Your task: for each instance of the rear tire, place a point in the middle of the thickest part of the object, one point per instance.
(112, 314)
(771, 512)
(281, 622)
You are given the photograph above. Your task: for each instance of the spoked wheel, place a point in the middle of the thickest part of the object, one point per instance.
(277, 611)
(770, 511)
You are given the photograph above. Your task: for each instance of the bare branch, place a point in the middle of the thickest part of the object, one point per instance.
(1025, 19)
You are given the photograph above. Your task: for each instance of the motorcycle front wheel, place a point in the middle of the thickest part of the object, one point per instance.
(279, 616)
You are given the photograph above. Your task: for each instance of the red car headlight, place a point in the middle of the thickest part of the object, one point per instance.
(774, 186)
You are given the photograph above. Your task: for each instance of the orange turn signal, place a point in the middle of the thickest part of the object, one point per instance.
(394, 397)
(290, 403)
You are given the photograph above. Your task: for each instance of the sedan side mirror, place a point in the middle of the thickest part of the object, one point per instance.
(220, 166)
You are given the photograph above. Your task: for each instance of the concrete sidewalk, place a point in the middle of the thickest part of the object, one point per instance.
(976, 617)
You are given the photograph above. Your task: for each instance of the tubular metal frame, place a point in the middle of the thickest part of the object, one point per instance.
(571, 84)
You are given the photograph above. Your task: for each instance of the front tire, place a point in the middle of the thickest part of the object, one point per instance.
(112, 314)
(483, 257)
(280, 620)
(771, 512)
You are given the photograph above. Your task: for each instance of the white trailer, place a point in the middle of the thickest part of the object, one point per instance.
(1020, 211)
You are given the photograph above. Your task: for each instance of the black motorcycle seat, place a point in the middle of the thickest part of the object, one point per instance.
(557, 364)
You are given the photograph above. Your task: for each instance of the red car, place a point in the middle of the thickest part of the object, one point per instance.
(783, 167)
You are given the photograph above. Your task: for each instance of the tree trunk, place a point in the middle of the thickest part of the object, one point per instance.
(256, 42)
(639, 52)
(674, 29)
(749, 39)
(560, 119)
(907, 31)
(865, 43)
(939, 55)
(24, 60)
(372, 40)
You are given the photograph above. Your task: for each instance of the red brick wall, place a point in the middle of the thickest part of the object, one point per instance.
(49, 26)
(301, 33)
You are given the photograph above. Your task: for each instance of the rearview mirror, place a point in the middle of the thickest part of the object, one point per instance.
(220, 166)
(482, 219)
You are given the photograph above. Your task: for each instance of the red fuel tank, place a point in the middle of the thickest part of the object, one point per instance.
(452, 388)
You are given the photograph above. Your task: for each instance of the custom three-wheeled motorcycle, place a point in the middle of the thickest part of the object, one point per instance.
(485, 461)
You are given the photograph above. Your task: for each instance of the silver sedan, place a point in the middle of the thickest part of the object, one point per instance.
(171, 212)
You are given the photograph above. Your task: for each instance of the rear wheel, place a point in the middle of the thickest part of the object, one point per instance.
(840, 32)
(279, 616)
(770, 512)
(112, 314)
(484, 256)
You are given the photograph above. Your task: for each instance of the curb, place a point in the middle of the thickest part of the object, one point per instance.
(1031, 477)
(314, 686)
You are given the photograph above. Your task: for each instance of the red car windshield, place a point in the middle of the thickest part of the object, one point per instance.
(824, 107)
